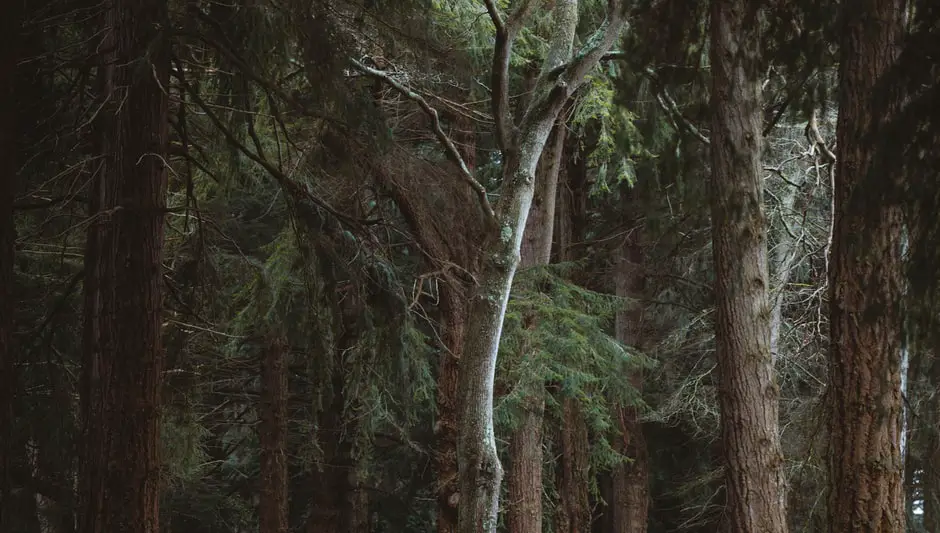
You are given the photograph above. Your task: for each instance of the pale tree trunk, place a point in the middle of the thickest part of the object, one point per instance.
(748, 394)
(630, 505)
(480, 470)
(123, 369)
(272, 435)
(524, 512)
(866, 285)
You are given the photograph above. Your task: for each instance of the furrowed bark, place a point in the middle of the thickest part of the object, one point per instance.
(123, 371)
(866, 285)
(524, 512)
(8, 166)
(747, 391)
(272, 434)
(630, 504)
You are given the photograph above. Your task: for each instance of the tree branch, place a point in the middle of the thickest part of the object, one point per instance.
(282, 179)
(499, 76)
(569, 76)
(449, 147)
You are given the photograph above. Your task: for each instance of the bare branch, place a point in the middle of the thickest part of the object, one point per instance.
(499, 76)
(449, 147)
(565, 79)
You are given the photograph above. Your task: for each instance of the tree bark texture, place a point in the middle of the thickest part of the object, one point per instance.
(573, 511)
(574, 483)
(123, 373)
(748, 394)
(866, 286)
(337, 503)
(524, 512)
(480, 470)
(8, 169)
(272, 435)
(630, 502)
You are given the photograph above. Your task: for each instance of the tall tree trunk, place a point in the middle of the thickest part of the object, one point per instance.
(272, 434)
(930, 477)
(8, 148)
(748, 394)
(524, 513)
(480, 471)
(630, 505)
(574, 511)
(865, 467)
(574, 449)
(337, 505)
(123, 372)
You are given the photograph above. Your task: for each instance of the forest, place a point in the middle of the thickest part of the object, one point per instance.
(469, 266)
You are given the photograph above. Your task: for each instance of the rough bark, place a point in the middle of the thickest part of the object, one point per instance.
(630, 501)
(574, 511)
(480, 470)
(8, 134)
(866, 286)
(122, 374)
(748, 394)
(524, 513)
(272, 435)
(573, 471)
(524, 508)
(337, 502)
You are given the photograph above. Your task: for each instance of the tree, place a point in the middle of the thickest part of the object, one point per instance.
(865, 283)
(8, 170)
(754, 477)
(480, 471)
(524, 515)
(123, 366)
(272, 434)
(631, 479)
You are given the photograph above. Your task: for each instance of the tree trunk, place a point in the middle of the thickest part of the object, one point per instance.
(8, 168)
(524, 514)
(480, 471)
(336, 506)
(123, 371)
(573, 473)
(524, 509)
(630, 504)
(748, 394)
(865, 467)
(574, 511)
(272, 435)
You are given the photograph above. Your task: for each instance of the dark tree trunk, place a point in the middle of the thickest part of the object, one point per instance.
(630, 503)
(338, 505)
(747, 391)
(524, 505)
(866, 286)
(573, 470)
(574, 511)
(123, 369)
(272, 434)
(8, 167)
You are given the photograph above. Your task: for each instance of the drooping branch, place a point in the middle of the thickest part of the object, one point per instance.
(449, 147)
(290, 186)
